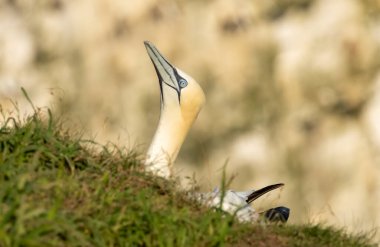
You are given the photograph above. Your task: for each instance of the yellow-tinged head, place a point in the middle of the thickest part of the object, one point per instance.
(181, 100)
(191, 100)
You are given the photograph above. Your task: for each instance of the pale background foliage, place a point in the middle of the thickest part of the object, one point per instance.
(293, 89)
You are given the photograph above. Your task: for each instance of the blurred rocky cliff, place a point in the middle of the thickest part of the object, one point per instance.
(292, 86)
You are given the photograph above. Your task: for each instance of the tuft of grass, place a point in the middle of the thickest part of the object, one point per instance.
(57, 191)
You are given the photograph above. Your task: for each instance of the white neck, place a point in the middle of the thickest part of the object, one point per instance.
(167, 141)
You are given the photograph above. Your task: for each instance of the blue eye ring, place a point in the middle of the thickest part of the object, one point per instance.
(182, 83)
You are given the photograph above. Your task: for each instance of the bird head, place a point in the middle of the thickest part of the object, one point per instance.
(181, 95)
(181, 100)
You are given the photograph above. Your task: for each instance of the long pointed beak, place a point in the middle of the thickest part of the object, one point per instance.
(167, 73)
(258, 193)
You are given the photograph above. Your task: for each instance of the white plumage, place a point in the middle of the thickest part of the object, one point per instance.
(181, 100)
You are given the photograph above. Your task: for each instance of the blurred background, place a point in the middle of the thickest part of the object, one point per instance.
(292, 87)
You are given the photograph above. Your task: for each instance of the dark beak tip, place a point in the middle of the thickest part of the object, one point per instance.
(147, 43)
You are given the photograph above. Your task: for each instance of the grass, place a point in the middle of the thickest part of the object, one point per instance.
(57, 191)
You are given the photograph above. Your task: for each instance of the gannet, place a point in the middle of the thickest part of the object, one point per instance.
(181, 100)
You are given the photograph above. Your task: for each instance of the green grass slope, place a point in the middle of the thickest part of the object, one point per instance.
(56, 191)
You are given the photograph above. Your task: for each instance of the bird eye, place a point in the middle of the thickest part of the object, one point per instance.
(182, 83)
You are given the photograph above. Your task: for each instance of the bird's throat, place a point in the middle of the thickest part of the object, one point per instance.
(167, 142)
